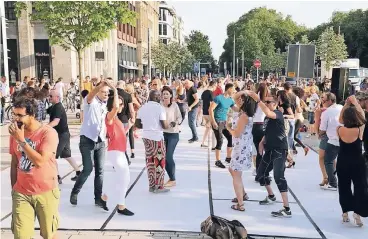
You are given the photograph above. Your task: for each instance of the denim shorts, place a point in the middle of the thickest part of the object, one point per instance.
(323, 142)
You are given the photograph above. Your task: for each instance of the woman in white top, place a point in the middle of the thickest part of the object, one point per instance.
(171, 135)
(299, 119)
(59, 87)
(258, 119)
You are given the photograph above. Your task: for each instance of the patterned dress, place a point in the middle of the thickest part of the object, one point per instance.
(241, 157)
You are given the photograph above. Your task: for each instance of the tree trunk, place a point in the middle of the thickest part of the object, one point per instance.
(80, 84)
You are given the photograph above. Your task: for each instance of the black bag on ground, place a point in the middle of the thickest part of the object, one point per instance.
(220, 228)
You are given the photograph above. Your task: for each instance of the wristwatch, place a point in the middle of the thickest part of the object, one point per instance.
(22, 144)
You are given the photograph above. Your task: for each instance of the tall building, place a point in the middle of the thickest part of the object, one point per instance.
(171, 26)
(120, 55)
(148, 23)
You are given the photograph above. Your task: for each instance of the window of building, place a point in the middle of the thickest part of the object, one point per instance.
(9, 10)
(164, 32)
(160, 29)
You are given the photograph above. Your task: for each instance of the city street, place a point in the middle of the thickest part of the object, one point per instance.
(179, 213)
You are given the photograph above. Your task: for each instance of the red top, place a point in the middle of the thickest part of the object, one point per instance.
(218, 91)
(31, 179)
(116, 135)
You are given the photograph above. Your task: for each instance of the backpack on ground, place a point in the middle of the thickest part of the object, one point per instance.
(220, 228)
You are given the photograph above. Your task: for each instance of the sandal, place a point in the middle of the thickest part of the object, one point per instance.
(245, 198)
(324, 182)
(238, 207)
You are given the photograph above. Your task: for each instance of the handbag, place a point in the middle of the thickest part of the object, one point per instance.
(220, 228)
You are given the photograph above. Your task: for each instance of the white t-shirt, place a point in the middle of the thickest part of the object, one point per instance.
(313, 102)
(4, 89)
(330, 122)
(150, 115)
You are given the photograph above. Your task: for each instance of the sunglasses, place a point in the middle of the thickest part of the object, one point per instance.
(269, 101)
(154, 84)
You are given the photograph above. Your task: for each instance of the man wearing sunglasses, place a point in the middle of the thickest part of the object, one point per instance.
(274, 148)
(33, 172)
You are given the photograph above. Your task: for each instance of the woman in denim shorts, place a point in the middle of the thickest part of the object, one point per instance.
(322, 145)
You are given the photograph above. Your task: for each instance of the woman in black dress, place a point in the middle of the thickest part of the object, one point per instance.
(351, 164)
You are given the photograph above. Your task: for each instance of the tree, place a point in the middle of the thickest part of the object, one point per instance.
(259, 33)
(200, 47)
(331, 48)
(78, 24)
(354, 26)
(172, 57)
(304, 39)
(160, 56)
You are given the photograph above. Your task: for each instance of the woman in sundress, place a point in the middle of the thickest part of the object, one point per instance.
(241, 157)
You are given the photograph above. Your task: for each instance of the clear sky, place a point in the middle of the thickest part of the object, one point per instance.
(212, 17)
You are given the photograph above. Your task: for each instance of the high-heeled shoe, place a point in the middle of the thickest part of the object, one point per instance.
(291, 165)
(357, 220)
(324, 182)
(345, 217)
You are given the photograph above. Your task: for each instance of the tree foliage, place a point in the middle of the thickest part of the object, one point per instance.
(173, 57)
(331, 48)
(259, 33)
(78, 24)
(200, 47)
(354, 27)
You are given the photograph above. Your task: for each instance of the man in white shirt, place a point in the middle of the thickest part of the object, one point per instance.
(151, 118)
(329, 124)
(4, 93)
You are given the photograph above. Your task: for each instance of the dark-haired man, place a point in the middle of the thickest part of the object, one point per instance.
(329, 124)
(218, 114)
(33, 172)
(193, 100)
(151, 118)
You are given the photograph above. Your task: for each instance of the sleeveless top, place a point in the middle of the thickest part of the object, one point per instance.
(351, 150)
(116, 135)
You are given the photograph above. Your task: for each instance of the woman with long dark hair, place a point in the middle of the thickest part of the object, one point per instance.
(258, 119)
(171, 135)
(241, 156)
(350, 165)
(116, 134)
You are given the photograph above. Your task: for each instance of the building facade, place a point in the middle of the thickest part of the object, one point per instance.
(148, 24)
(120, 55)
(171, 26)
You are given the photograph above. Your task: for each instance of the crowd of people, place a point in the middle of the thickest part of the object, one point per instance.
(261, 123)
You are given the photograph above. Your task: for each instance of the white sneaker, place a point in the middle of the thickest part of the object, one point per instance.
(254, 173)
(329, 187)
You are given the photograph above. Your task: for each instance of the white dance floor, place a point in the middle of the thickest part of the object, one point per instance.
(316, 213)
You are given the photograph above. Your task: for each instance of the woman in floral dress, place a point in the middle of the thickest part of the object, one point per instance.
(241, 157)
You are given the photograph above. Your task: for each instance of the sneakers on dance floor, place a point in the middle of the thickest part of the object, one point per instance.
(219, 164)
(161, 190)
(329, 187)
(125, 212)
(74, 199)
(170, 184)
(282, 213)
(228, 160)
(268, 200)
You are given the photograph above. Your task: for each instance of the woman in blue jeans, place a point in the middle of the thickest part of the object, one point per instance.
(171, 135)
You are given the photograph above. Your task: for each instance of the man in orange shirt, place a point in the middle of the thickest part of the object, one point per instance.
(33, 172)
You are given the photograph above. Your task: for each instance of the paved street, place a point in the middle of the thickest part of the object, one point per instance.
(178, 214)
